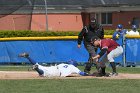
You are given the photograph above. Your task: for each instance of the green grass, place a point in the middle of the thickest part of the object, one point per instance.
(69, 86)
(93, 85)
(108, 69)
(14, 68)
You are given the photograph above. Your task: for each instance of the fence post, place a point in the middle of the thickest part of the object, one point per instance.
(124, 51)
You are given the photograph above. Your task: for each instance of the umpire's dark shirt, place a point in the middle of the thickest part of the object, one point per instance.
(88, 32)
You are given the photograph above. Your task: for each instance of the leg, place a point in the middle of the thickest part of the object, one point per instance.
(114, 53)
(112, 63)
(88, 67)
(102, 62)
(26, 55)
(40, 71)
(90, 62)
(33, 62)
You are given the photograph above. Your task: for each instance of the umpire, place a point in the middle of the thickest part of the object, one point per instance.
(93, 29)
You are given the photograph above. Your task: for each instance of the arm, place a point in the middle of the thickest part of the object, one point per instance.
(100, 32)
(83, 73)
(103, 51)
(80, 36)
(125, 31)
(115, 36)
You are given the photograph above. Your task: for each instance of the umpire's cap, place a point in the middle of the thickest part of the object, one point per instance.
(93, 39)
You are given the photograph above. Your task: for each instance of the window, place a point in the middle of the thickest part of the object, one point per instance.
(106, 18)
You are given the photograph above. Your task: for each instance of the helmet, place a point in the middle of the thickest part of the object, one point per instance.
(134, 27)
(120, 26)
(93, 39)
(73, 62)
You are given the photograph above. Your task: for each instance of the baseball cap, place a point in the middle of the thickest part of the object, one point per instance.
(120, 26)
(93, 39)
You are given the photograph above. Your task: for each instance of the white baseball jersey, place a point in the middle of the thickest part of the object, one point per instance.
(51, 71)
(131, 32)
(61, 70)
(67, 69)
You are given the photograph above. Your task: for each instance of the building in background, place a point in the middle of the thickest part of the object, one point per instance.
(72, 15)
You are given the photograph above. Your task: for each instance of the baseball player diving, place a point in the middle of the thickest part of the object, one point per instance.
(109, 50)
(61, 70)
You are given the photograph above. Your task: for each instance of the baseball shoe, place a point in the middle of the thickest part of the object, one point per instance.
(24, 55)
(97, 74)
(113, 74)
(35, 66)
(87, 72)
(103, 75)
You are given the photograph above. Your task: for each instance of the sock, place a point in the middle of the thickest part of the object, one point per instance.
(40, 72)
(31, 60)
(113, 66)
(97, 65)
(103, 70)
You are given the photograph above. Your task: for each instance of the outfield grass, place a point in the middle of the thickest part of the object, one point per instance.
(70, 85)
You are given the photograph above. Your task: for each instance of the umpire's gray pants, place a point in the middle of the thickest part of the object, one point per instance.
(90, 49)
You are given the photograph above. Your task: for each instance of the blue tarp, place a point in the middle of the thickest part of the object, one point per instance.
(53, 51)
(42, 51)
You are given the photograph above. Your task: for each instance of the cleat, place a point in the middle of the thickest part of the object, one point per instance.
(103, 75)
(97, 74)
(106, 75)
(24, 55)
(113, 74)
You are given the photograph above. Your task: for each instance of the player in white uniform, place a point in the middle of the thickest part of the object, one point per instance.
(61, 70)
(134, 31)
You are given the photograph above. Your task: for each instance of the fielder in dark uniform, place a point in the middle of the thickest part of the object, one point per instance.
(85, 35)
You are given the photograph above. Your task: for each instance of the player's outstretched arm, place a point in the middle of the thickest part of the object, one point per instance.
(83, 73)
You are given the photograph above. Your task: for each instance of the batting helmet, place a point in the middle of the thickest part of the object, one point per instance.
(120, 26)
(73, 62)
(94, 39)
(134, 27)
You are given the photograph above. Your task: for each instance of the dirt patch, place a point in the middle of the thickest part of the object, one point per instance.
(34, 75)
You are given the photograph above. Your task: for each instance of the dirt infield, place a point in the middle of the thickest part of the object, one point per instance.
(34, 75)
